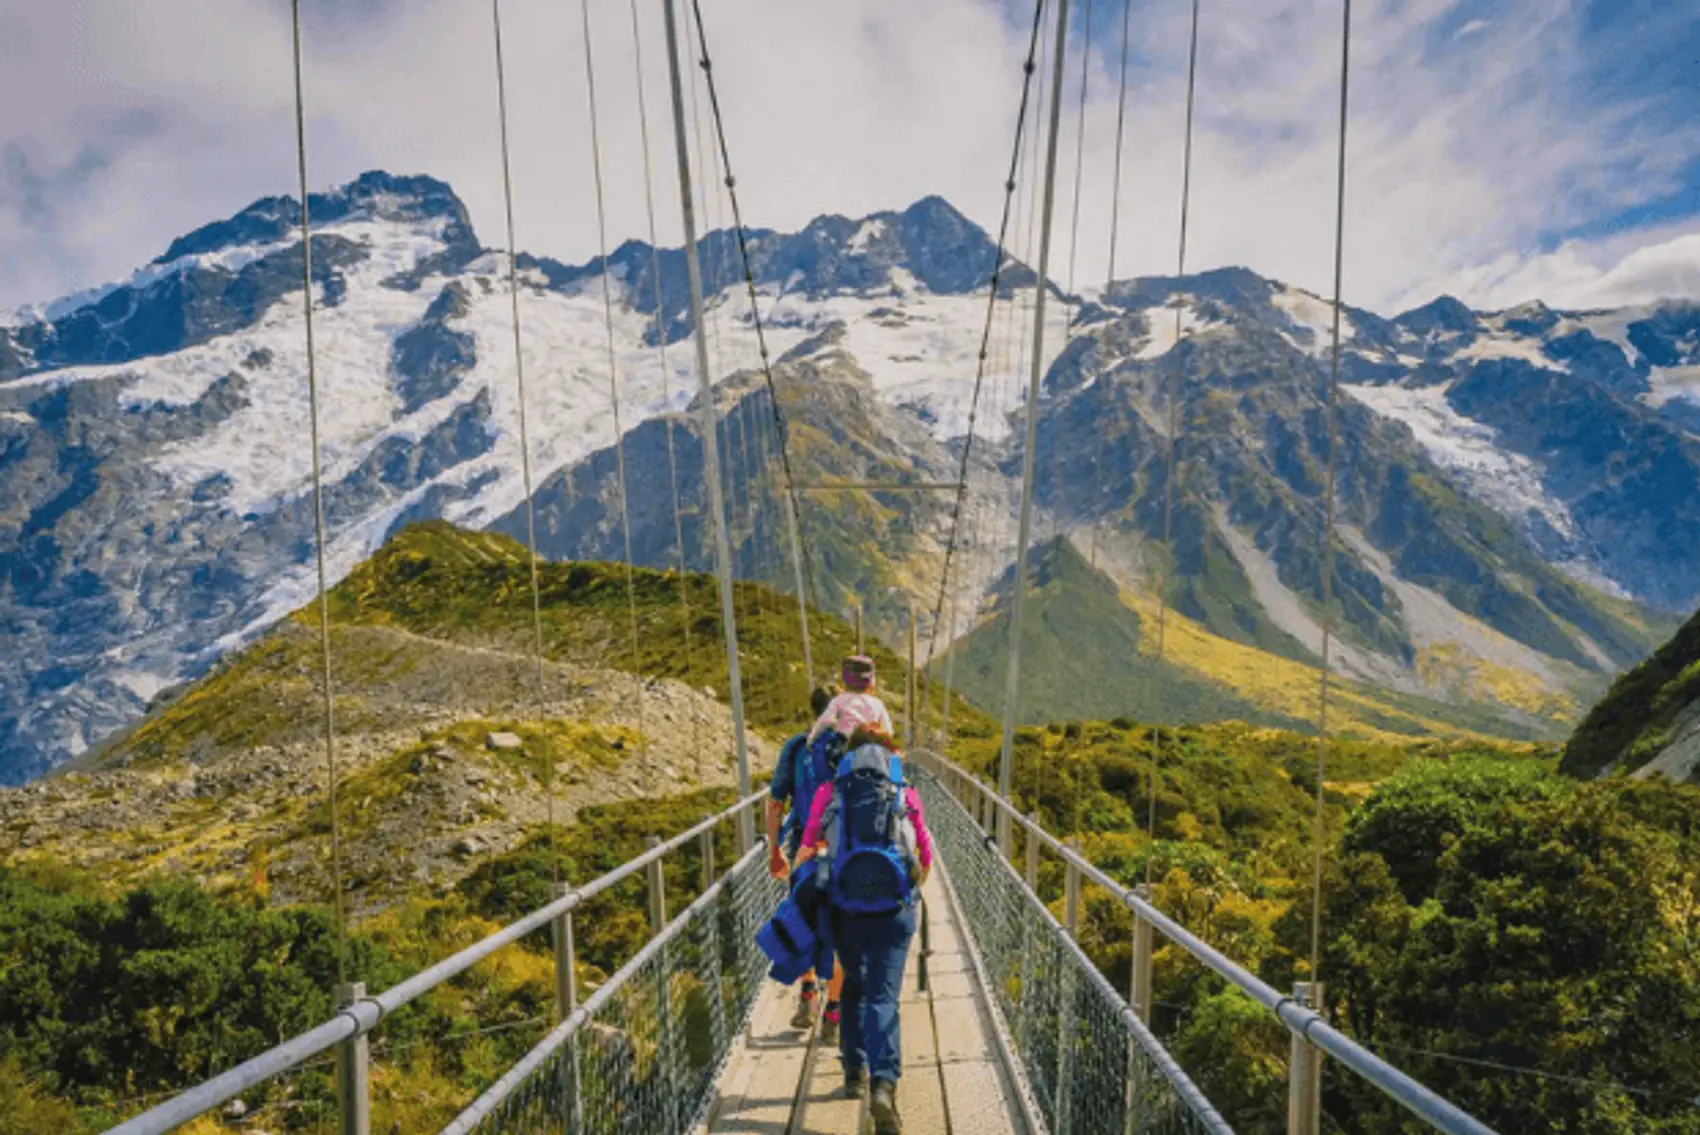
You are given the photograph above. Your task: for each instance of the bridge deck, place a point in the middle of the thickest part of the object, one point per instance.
(783, 1082)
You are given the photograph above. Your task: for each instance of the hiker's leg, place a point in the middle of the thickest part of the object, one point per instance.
(881, 991)
(852, 1051)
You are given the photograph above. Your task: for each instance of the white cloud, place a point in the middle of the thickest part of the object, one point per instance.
(143, 128)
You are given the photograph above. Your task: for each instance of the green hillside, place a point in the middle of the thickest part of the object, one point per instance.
(1089, 650)
(1652, 713)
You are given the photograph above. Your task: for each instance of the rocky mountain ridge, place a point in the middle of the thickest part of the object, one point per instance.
(155, 504)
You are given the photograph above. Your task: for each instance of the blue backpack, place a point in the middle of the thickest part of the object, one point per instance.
(815, 765)
(867, 868)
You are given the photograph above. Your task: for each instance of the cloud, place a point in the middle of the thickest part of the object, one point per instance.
(1590, 274)
(1468, 150)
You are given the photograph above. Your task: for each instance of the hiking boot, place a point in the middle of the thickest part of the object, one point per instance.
(829, 1025)
(854, 1083)
(882, 1106)
(804, 1017)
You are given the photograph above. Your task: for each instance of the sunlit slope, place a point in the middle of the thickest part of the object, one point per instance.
(1091, 651)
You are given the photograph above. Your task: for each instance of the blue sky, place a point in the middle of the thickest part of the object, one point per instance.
(1501, 149)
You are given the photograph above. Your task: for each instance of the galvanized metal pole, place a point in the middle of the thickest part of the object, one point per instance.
(1138, 996)
(710, 442)
(1304, 1070)
(1012, 688)
(1139, 990)
(705, 852)
(561, 934)
(353, 1070)
(1031, 874)
(566, 1000)
(664, 981)
(1064, 1106)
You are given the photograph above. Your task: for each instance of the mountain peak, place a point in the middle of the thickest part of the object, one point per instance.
(375, 193)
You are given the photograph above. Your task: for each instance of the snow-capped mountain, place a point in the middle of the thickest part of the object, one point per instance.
(155, 490)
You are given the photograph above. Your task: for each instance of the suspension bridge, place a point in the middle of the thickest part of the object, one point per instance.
(1008, 1025)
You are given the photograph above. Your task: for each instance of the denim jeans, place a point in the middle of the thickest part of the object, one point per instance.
(872, 949)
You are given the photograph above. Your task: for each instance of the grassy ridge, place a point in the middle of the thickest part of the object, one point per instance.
(1089, 650)
(1635, 721)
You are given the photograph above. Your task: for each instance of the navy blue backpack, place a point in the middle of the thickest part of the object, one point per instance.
(815, 765)
(867, 869)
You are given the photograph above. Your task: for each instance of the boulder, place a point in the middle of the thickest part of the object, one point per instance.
(503, 741)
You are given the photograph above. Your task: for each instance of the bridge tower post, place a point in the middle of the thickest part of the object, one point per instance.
(710, 428)
(353, 1070)
(1304, 1070)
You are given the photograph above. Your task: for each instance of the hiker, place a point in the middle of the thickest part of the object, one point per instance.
(869, 836)
(802, 768)
(857, 705)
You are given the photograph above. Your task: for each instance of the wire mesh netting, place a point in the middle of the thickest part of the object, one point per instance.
(1091, 1066)
(641, 1054)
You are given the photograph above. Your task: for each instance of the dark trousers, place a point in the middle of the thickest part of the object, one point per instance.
(872, 949)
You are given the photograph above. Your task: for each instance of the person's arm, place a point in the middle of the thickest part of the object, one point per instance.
(812, 834)
(923, 838)
(885, 718)
(776, 865)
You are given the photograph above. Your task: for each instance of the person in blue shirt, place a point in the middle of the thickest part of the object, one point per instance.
(787, 808)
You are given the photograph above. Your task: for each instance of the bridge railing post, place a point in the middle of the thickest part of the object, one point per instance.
(1304, 1070)
(1064, 1106)
(353, 1070)
(1139, 996)
(664, 984)
(566, 1000)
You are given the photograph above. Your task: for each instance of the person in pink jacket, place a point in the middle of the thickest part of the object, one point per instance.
(871, 941)
(858, 705)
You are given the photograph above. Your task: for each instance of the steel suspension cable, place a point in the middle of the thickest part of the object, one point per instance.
(524, 434)
(337, 913)
(1058, 491)
(799, 541)
(1171, 438)
(661, 345)
(613, 372)
(1073, 246)
(1010, 185)
(1115, 231)
(1319, 821)
(1028, 457)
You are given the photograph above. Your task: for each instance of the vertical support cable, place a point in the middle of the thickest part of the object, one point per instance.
(524, 435)
(1115, 232)
(613, 372)
(1001, 255)
(1012, 688)
(337, 913)
(1172, 433)
(1328, 503)
(705, 395)
(723, 156)
(661, 339)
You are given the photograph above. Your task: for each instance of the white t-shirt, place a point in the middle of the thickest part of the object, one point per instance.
(848, 710)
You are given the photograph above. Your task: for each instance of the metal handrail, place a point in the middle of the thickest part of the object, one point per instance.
(1182, 1084)
(493, 1096)
(365, 1014)
(1307, 1023)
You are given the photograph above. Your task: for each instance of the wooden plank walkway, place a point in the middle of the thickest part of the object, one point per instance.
(780, 1081)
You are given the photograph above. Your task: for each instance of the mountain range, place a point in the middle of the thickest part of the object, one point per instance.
(1517, 490)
